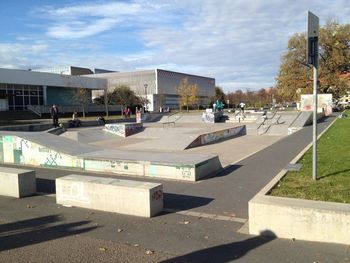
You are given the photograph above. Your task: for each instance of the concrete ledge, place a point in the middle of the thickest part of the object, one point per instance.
(17, 182)
(47, 150)
(300, 219)
(111, 195)
(297, 218)
(123, 129)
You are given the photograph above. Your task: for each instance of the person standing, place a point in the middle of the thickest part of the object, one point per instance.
(54, 115)
(241, 106)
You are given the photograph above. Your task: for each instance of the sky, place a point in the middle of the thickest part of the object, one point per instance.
(238, 42)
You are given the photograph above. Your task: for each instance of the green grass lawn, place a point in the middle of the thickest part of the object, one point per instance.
(333, 182)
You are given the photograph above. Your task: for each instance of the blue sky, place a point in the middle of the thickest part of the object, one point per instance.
(238, 42)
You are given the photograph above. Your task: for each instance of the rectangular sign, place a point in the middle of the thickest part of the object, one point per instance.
(312, 39)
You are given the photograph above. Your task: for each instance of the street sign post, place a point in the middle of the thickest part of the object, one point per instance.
(312, 59)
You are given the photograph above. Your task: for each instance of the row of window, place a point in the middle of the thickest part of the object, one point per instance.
(19, 96)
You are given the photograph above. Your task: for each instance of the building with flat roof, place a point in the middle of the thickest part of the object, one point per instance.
(159, 86)
(22, 88)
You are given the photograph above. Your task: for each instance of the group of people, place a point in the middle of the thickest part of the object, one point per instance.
(74, 122)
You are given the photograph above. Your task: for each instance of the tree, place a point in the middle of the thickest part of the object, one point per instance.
(295, 77)
(83, 97)
(188, 93)
(121, 95)
(219, 94)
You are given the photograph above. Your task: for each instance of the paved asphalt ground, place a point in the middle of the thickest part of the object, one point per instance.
(203, 221)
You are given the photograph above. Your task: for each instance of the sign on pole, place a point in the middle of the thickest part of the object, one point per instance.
(312, 39)
(312, 59)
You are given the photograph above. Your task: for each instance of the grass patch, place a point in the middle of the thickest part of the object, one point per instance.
(333, 182)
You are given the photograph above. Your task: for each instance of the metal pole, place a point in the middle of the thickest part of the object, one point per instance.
(146, 102)
(106, 102)
(314, 130)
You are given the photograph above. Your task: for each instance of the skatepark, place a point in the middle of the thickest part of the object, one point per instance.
(206, 187)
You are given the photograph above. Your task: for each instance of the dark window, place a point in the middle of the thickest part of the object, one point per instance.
(26, 100)
(33, 100)
(19, 101)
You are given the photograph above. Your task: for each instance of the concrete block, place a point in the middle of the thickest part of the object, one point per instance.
(300, 219)
(297, 218)
(124, 129)
(109, 194)
(17, 182)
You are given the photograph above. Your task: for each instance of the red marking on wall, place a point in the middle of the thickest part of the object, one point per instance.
(157, 195)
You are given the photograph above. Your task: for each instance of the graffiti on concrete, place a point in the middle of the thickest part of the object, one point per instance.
(123, 129)
(217, 136)
(17, 150)
(51, 159)
(157, 195)
(186, 172)
(73, 192)
(212, 117)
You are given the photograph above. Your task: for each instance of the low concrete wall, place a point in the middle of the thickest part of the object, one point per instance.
(155, 169)
(46, 126)
(296, 218)
(46, 150)
(17, 182)
(111, 195)
(300, 219)
(124, 129)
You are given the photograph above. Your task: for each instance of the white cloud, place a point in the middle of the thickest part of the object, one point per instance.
(20, 55)
(78, 29)
(237, 42)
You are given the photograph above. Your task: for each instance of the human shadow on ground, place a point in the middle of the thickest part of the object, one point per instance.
(184, 202)
(36, 230)
(225, 253)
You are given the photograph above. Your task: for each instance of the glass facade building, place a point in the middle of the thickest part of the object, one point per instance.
(19, 96)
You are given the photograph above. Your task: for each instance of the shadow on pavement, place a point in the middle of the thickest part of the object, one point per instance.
(37, 230)
(225, 253)
(228, 170)
(47, 186)
(184, 202)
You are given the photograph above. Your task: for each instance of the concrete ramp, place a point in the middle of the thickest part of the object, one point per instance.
(89, 135)
(304, 118)
(180, 137)
(183, 118)
(47, 150)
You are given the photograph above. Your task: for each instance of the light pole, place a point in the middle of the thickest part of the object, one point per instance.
(146, 102)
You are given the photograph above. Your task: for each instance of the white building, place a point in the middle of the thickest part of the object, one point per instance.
(159, 86)
(22, 88)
